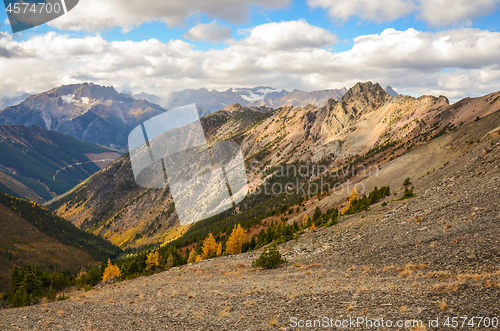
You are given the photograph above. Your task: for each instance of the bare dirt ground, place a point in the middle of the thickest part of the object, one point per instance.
(436, 255)
(102, 159)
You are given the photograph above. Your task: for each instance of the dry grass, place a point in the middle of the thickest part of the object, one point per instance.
(224, 313)
(409, 268)
(273, 321)
(443, 305)
(442, 274)
(403, 309)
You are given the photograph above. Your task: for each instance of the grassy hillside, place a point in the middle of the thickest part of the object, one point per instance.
(60, 229)
(22, 242)
(39, 164)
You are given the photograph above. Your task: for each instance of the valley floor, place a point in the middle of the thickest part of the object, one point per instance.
(436, 255)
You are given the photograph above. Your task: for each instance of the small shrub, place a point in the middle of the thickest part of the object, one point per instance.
(407, 182)
(62, 297)
(269, 259)
(384, 203)
(51, 294)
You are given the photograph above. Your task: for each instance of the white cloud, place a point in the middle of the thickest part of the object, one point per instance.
(448, 12)
(436, 13)
(288, 36)
(208, 32)
(457, 63)
(372, 10)
(93, 15)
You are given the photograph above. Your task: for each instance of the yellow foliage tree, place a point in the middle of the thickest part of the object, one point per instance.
(153, 260)
(111, 271)
(192, 256)
(219, 249)
(209, 246)
(236, 240)
(353, 196)
(170, 261)
(198, 258)
(305, 219)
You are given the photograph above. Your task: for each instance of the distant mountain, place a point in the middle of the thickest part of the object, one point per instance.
(366, 126)
(259, 92)
(300, 98)
(87, 112)
(39, 164)
(389, 90)
(30, 233)
(215, 100)
(11, 101)
(148, 97)
(257, 97)
(210, 100)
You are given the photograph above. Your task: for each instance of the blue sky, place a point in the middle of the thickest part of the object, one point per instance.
(417, 46)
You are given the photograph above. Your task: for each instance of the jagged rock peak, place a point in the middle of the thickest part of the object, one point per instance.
(365, 89)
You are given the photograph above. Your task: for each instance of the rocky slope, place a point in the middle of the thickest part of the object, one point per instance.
(433, 256)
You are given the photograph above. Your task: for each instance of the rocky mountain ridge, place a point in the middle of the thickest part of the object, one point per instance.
(367, 126)
(87, 112)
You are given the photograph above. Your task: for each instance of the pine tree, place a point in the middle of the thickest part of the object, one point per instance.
(317, 214)
(209, 246)
(16, 279)
(270, 258)
(31, 283)
(236, 240)
(111, 272)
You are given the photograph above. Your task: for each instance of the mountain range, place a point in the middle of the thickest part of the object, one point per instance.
(101, 115)
(367, 126)
(87, 112)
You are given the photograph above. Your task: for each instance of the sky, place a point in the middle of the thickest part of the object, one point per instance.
(443, 47)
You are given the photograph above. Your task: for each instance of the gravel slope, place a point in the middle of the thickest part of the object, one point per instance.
(435, 255)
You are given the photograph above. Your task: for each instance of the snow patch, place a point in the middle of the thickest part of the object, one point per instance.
(85, 100)
(69, 98)
(48, 121)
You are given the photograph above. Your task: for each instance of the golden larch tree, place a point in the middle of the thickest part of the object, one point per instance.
(209, 246)
(153, 260)
(305, 219)
(111, 271)
(170, 261)
(353, 196)
(192, 256)
(236, 240)
(219, 249)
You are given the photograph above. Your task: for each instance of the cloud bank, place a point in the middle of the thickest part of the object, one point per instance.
(457, 62)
